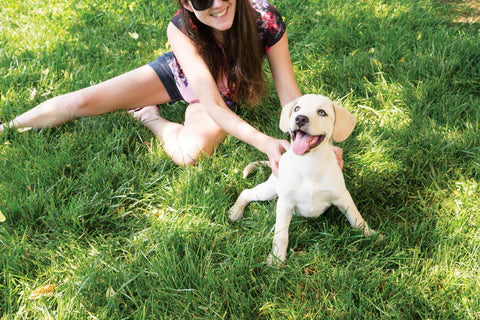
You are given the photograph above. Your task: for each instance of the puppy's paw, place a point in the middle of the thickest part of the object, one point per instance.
(380, 237)
(270, 259)
(372, 233)
(367, 232)
(235, 213)
(274, 260)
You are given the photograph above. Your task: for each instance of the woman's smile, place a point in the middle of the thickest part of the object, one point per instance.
(220, 14)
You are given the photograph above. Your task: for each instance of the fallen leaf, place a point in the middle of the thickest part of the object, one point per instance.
(2, 217)
(110, 292)
(308, 271)
(133, 35)
(24, 129)
(92, 316)
(33, 94)
(45, 291)
(376, 63)
(131, 5)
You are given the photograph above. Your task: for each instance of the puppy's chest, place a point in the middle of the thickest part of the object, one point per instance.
(309, 198)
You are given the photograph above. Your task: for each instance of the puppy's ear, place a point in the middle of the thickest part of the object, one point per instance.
(285, 115)
(344, 123)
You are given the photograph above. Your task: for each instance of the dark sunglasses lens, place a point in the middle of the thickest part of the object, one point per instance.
(201, 5)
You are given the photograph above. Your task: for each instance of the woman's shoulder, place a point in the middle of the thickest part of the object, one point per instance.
(269, 22)
(177, 21)
(263, 6)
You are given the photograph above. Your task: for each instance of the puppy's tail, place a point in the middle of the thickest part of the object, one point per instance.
(251, 166)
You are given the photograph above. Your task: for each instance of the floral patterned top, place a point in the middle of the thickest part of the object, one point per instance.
(270, 28)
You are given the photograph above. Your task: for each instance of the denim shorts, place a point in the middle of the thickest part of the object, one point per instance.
(161, 67)
(166, 75)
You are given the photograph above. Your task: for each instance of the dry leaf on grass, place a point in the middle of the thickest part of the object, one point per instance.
(110, 292)
(45, 291)
(24, 129)
(133, 35)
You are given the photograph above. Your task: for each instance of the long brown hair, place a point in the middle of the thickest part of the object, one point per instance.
(242, 57)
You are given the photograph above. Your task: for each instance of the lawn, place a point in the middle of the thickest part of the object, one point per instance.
(100, 224)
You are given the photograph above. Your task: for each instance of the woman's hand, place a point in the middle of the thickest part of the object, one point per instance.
(339, 155)
(274, 149)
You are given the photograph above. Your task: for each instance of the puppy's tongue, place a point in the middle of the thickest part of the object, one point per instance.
(302, 142)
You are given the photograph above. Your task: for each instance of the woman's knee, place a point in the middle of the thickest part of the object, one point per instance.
(193, 151)
(87, 102)
(184, 160)
(190, 155)
(198, 137)
(73, 104)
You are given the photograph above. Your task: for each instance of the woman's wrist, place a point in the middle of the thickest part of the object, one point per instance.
(262, 142)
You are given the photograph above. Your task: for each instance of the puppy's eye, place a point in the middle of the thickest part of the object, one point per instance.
(296, 109)
(322, 113)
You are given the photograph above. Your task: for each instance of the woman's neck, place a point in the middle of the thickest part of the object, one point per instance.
(219, 36)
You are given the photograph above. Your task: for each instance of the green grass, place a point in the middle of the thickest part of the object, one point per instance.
(96, 208)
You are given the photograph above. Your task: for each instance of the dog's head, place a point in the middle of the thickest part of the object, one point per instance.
(313, 119)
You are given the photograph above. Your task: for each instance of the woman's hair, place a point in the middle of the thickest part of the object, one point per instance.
(243, 57)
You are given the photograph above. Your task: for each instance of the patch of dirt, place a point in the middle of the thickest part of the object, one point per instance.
(468, 10)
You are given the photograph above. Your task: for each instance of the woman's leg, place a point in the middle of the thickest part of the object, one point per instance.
(136, 88)
(185, 144)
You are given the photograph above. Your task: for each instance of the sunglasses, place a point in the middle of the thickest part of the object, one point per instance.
(201, 5)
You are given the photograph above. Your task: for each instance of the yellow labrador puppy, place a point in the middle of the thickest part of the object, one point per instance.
(309, 179)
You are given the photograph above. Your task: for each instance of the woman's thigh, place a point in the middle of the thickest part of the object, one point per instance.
(137, 88)
(200, 131)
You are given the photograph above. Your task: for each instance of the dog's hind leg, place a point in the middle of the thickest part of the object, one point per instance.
(263, 192)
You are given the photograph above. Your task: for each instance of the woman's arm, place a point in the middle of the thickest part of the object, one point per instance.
(205, 88)
(282, 71)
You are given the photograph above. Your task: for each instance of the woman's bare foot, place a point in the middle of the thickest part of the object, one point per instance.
(145, 114)
(150, 117)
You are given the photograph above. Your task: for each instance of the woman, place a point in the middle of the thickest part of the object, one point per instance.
(216, 63)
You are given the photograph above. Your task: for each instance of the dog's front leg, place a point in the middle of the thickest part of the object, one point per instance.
(280, 239)
(348, 207)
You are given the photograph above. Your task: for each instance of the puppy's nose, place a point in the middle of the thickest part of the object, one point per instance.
(301, 120)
